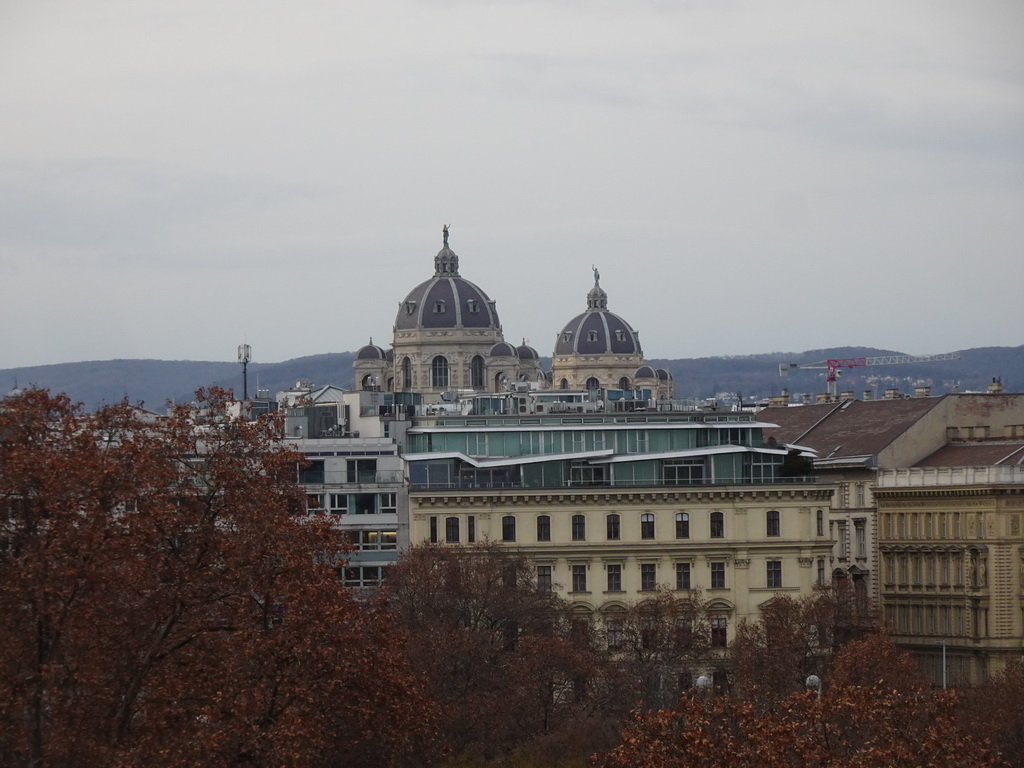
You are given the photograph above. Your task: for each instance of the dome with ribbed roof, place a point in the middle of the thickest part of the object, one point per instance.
(503, 349)
(447, 300)
(371, 352)
(597, 331)
(526, 352)
(645, 372)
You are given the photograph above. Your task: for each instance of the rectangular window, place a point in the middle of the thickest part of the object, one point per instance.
(544, 578)
(579, 528)
(579, 578)
(614, 578)
(543, 528)
(433, 529)
(365, 576)
(364, 503)
(682, 575)
(647, 526)
(338, 503)
(718, 575)
(613, 527)
(387, 503)
(312, 472)
(361, 470)
(471, 529)
(648, 577)
(774, 574)
(773, 525)
(717, 525)
(615, 634)
(684, 471)
(821, 571)
(682, 525)
(719, 632)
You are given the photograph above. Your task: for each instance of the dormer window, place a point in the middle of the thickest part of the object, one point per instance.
(567, 336)
(410, 307)
(439, 307)
(592, 336)
(619, 335)
(473, 306)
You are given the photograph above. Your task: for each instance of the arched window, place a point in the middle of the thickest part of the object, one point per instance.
(593, 383)
(439, 372)
(451, 530)
(406, 374)
(647, 526)
(543, 528)
(508, 528)
(772, 523)
(821, 523)
(563, 384)
(623, 383)
(476, 372)
(682, 525)
(579, 528)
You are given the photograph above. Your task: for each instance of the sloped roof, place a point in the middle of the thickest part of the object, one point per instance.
(850, 428)
(985, 454)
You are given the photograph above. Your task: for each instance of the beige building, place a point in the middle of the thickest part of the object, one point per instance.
(926, 493)
(614, 506)
(952, 555)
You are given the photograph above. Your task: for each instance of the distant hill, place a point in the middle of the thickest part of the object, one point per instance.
(154, 382)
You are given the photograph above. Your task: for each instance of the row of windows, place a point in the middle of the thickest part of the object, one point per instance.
(952, 621)
(929, 525)
(649, 576)
(613, 526)
(931, 568)
(356, 471)
(353, 503)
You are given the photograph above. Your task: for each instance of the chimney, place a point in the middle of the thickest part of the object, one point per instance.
(806, 399)
(996, 386)
(866, 395)
(821, 397)
(922, 391)
(779, 400)
(892, 393)
(844, 396)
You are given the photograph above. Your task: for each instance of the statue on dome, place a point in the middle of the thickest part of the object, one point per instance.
(597, 275)
(444, 233)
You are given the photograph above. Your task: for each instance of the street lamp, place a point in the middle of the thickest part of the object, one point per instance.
(813, 683)
(703, 684)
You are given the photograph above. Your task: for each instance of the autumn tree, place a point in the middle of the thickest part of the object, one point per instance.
(494, 647)
(791, 639)
(994, 709)
(162, 606)
(659, 646)
(892, 722)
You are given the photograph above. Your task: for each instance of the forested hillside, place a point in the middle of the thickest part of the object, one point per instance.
(754, 377)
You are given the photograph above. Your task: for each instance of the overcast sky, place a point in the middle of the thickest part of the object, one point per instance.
(179, 177)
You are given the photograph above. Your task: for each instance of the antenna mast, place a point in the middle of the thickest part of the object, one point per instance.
(244, 356)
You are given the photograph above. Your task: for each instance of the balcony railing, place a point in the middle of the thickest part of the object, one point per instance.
(474, 485)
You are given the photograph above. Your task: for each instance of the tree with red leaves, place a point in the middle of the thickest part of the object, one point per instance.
(162, 606)
(874, 713)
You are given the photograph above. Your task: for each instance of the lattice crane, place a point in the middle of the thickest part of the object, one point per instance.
(835, 365)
